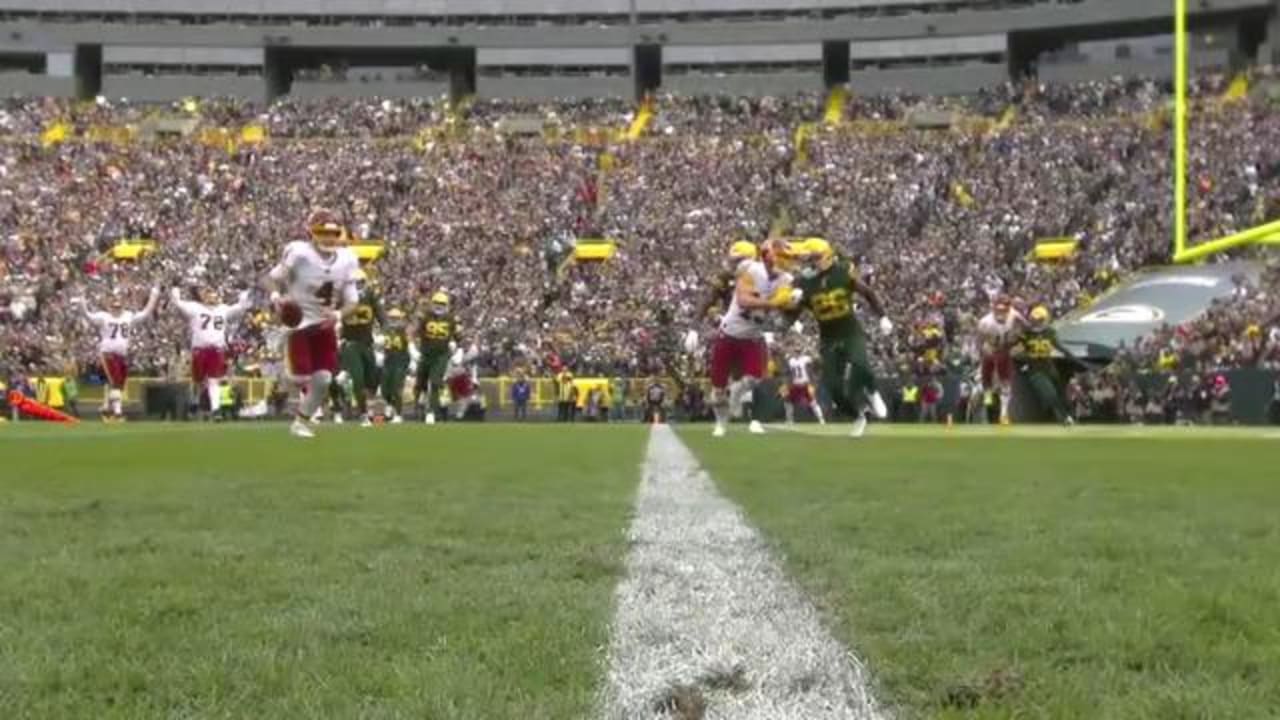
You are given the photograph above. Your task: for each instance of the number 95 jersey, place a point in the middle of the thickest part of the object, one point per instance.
(319, 284)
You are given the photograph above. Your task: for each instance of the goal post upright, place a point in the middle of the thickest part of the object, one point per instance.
(1179, 128)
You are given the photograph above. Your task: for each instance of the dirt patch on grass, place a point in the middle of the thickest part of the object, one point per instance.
(997, 686)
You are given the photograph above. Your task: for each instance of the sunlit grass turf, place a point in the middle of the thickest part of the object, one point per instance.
(992, 574)
(188, 571)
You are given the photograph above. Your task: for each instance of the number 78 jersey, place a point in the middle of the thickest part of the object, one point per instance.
(319, 284)
(209, 324)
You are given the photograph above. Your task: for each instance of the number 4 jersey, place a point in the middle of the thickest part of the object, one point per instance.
(319, 284)
(209, 324)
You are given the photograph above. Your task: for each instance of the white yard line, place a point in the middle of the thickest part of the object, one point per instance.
(1029, 431)
(707, 624)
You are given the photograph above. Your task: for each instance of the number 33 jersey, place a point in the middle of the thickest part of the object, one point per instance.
(319, 283)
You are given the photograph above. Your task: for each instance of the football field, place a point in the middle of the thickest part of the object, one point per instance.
(503, 571)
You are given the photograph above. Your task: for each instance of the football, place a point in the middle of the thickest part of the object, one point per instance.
(290, 314)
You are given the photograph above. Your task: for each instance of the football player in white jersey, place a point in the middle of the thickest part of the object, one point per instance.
(115, 324)
(209, 321)
(760, 289)
(998, 331)
(800, 389)
(318, 276)
(459, 377)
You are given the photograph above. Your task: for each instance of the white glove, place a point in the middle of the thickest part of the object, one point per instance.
(798, 328)
(886, 325)
(796, 296)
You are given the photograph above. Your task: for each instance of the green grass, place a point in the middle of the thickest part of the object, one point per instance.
(1007, 576)
(181, 571)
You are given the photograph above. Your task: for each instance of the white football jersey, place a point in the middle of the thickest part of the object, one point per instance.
(997, 335)
(750, 324)
(318, 283)
(209, 324)
(799, 369)
(114, 328)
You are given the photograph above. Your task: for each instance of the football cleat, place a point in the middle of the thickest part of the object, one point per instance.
(430, 419)
(299, 429)
(366, 421)
(718, 431)
(859, 427)
(396, 420)
(755, 428)
(878, 407)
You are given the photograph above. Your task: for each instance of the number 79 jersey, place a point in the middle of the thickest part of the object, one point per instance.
(319, 284)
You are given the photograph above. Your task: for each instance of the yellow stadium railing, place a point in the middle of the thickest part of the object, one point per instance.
(495, 390)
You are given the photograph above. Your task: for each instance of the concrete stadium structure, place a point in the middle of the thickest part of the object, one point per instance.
(166, 49)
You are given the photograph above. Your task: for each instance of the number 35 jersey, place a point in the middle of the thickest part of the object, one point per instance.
(829, 296)
(319, 283)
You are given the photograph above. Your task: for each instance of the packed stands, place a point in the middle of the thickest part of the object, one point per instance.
(938, 220)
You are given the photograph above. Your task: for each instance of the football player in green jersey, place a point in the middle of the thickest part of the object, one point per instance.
(395, 363)
(437, 333)
(356, 354)
(1036, 349)
(829, 284)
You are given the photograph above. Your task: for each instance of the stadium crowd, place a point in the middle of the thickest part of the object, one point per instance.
(938, 221)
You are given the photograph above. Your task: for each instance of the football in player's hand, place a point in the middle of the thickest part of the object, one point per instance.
(290, 314)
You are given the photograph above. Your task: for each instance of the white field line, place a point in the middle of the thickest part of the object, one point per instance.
(705, 614)
(1024, 432)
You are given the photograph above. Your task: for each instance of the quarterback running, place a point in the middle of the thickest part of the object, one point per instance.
(313, 289)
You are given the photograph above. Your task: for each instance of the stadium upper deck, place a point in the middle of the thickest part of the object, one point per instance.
(161, 49)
